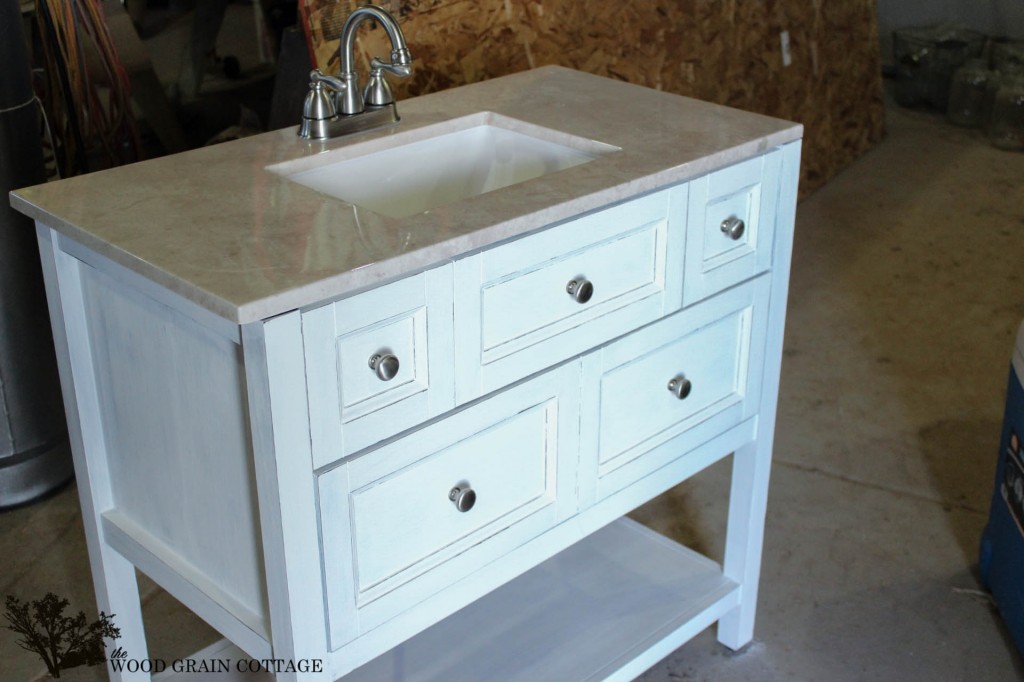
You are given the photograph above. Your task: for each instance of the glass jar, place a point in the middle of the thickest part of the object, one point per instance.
(952, 49)
(912, 51)
(1007, 128)
(995, 81)
(926, 57)
(967, 93)
(1007, 55)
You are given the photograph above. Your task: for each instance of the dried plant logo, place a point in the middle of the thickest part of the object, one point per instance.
(62, 642)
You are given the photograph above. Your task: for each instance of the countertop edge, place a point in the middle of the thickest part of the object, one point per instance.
(374, 274)
(240, 305)
(192, 293)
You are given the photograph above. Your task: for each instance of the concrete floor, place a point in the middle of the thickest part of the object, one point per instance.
(905, 297)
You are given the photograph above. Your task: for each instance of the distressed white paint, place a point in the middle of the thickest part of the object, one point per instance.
(401, 539)
(514, 316)
(188, 584)
(629, 412)
(596, 594)
(157, 371)
(276, 382)
(715, 261)
(748, 497)
(625, 615)
(293, 445)
(113, 575)
(350, 407)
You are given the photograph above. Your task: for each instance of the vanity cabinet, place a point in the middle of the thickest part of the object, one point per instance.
(422, 474)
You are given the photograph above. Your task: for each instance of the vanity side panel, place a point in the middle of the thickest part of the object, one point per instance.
(173, 398)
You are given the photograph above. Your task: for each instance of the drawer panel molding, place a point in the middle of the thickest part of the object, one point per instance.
(731, 226)
(685, 379)
(407, 327)
(539, 300)
(391, 534)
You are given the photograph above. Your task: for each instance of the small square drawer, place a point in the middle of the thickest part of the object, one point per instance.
(378, 363)
(731, 226)
(410, 518)
(654, 395)
(536, 301)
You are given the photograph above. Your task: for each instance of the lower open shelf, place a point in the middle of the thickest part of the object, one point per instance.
(608, 607)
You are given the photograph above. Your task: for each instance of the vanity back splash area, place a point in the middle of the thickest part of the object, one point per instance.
(376, 405)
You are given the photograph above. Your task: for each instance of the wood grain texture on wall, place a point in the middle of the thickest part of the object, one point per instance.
(724, 51)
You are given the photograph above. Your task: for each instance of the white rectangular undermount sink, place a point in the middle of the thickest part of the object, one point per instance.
(424, 168)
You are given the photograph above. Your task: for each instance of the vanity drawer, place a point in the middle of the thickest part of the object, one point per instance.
(533, 302)
(731, 226)
(392, 535)
(355, 402)
(654, 395)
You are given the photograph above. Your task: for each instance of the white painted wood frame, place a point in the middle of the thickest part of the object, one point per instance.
(228, 464)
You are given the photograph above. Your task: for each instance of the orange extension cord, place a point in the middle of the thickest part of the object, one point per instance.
(89, 133)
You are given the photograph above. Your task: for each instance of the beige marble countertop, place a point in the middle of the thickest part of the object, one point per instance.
(215, 226)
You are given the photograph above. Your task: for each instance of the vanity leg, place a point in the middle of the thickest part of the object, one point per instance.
(747, 502)
(751, 463)
(117, 591)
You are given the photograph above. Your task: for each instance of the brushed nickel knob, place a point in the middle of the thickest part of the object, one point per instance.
(733, 227)
(680, 386)
(384, 365)
(581, 290)
(463, 497)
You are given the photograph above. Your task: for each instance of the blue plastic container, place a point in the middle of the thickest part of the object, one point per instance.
(1001, 560)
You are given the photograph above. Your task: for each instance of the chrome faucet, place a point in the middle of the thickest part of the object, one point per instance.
(335, 105)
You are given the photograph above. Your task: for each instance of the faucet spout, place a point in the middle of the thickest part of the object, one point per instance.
(336, 105)
(351, 98)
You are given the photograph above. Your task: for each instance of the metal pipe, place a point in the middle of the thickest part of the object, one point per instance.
(34, 457)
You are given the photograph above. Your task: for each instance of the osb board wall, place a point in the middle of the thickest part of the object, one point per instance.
(724, 51)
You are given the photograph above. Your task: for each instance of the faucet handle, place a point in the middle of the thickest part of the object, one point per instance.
(318, 108)
(319, 104)
(316, 77)
(378, 92)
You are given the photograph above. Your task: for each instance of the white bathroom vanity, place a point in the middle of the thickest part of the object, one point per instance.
(394, 426)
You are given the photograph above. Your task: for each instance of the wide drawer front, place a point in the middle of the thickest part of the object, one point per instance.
(408, 538)
(528, 304)
(378, 363)
(654, 395)
(731, 225)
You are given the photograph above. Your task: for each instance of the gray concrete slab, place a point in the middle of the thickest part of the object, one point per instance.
(858, 583)
(906, 297)
(905, 302)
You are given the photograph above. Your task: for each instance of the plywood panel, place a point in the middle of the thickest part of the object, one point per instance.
(727, 52)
